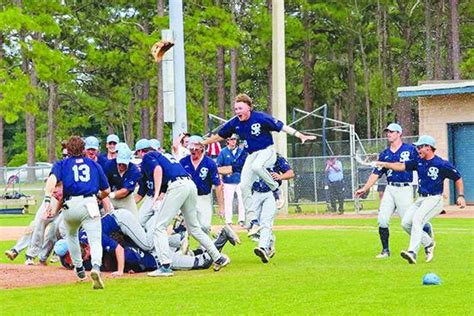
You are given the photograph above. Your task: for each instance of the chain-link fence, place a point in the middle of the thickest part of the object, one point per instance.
(24, 174)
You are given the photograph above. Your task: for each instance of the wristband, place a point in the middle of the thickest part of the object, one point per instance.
(460, 195)
(47, 199)
(112, 195)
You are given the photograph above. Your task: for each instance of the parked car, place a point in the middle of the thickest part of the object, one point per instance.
(20, 173)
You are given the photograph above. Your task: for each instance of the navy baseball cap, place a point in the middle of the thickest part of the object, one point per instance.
(393, 127)
(425, 140)
(91, 143)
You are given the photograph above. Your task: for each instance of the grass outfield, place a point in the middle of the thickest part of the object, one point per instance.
(314, 271)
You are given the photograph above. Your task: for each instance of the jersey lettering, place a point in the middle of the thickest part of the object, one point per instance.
(256, 129)
(203, 173)
(433, 173)
(404, 156)
(170, 158)
(389, 173)
(82, 173)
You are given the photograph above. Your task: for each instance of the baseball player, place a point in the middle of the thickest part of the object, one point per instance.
(231, 182)
(180, 146)
(146, 189)
(123, 177)
(266, 207)
(181, 193)
(83, 179)
(92, 150)
(203, 172)
(155, 144)
(111, 145)
(398, 194)
(432, 171)
(255, 129)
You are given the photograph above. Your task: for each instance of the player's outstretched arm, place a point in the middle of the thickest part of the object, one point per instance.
(461, 202)
(303, 137)
(370, 182)
(395, 166)
(213, 139)
(120, 256)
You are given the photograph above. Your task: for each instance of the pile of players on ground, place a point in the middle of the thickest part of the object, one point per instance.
(128, 232)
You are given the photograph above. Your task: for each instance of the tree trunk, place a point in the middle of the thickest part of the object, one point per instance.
(129, 138)
(428, 45)
(159, 121)
(366, 85)
(351, 81)
(52, 108)
(205, 102)
(234, 66)
(145, 111)
(455, 39)
(403, 109)
(221, 81)
(2, 149)
(449, 55)
(438, 63)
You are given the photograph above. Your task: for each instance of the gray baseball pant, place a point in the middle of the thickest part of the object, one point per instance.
(181, 194)
(420, 213)
(130, 226)
(75, 216)
(264, 205)
(255, 167)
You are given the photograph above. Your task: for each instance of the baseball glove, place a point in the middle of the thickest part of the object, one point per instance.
(159, 49)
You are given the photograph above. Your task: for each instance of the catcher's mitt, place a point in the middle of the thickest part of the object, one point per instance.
(159, 49)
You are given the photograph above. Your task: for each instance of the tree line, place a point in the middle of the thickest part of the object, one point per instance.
(83, 67)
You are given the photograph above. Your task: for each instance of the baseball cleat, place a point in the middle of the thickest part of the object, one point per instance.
(271, 252)
(231, 235)
(262, 253)
(11, 254)
(254, 230)
(81, 273)
(384, 254)
(97, 283)
(29, 261)
(429, 252)
(409, 256)
(161, 272)
(221, 262)
(54, 259)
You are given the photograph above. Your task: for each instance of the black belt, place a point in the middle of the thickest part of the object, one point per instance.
(84, 196)
(427, 194)
(180, 178)
(399, 184)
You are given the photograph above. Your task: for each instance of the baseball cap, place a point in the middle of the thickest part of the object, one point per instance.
(113, 138)
(142, 144)
(124, 154)
(155, 144)
(60, 247)
(193, 140)
(91, 143)
(431, 279)
(394, 127)
(425, 140)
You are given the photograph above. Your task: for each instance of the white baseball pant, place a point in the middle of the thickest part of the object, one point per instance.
(229, 190)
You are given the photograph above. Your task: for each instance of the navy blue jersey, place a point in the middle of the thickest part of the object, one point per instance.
(102, 160)
(80, 176)
(431, 174)
(145, 186)
(405, 153)
(172, 169)
(281, 166)
(256, 131)
(239, 162)
(227, 158)
(129, 179)
(204, 176)
(138, 260)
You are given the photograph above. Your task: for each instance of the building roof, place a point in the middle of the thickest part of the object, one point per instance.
(438, 88)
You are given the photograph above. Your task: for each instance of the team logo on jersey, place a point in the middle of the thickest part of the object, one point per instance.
(203, 173)
(404, 156)
(256, 129)
(433, 173)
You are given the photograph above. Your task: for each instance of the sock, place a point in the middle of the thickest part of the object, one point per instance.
(384, 236)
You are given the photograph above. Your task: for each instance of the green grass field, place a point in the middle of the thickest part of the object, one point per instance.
(314, 272)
